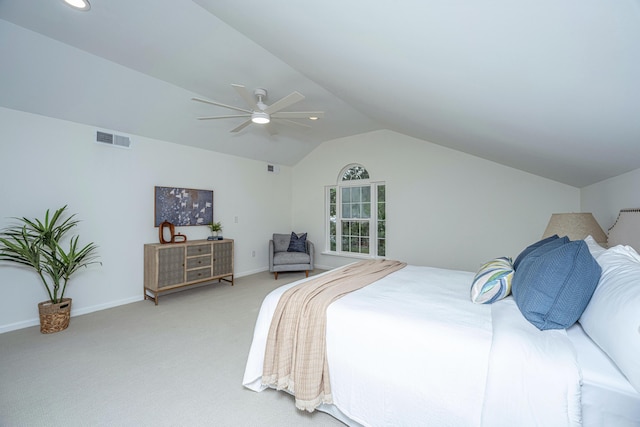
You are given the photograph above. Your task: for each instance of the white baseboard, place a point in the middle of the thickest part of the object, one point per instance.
(250, 272)
(19, 325)
(74, 313)
(99, 307)
(86, 310)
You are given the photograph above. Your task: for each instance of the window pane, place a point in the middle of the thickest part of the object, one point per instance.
(381, 229)
(353, 243)
(346, 195)
(346, 229)
(332, 217)
(355, 172)
(366, 211)
(364, 245)
(366, 194)
(355, 211)
(354, 192)
(381, 247)
(364, 229)
(381, 193)
(346, 210)
(381, 212)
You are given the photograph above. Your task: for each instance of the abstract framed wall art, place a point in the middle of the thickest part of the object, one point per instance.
(183, 206)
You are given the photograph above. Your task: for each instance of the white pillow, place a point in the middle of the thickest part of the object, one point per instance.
(594, 247)
(612, 317)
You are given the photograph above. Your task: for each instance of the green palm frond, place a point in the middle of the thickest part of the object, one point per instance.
(37, 244)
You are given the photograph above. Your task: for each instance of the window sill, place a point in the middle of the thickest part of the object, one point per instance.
(349, 255)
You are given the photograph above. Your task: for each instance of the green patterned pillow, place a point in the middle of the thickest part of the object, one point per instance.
(493, 281)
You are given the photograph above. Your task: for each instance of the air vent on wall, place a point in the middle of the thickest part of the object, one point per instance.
(273, 168)
(113, 140)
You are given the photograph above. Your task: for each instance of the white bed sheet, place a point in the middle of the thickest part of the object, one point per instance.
(390, 342)
(608, 399)
(387, 368)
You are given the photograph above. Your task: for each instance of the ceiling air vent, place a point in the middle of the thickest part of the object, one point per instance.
(114, 140)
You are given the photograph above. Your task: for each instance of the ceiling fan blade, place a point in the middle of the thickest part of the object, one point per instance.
(271, 129)
(292, 123)
(242, 126)
(248, 98)
(298, 114)
(233, 116)
(219, 104)
(290, 99)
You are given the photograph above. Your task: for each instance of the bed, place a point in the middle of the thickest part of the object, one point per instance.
(412, 349)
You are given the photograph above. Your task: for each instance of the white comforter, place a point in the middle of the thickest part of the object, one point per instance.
(413, 350)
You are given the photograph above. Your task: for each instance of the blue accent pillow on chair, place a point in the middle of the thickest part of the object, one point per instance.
(532, 248)
(552, 286)
(298, 243)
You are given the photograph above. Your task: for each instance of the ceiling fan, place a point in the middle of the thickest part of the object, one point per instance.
(261, 113)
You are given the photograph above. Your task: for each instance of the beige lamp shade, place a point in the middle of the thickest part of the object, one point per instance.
(576, 226)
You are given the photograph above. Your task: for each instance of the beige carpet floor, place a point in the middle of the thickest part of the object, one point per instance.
(176, 364)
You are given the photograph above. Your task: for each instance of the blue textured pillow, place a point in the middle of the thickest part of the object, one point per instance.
(298, 243)
(531, 248)
(553, 287)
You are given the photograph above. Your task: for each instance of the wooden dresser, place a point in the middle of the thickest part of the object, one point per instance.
(175, 265)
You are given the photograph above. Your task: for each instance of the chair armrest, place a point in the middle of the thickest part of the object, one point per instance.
(271, 251)
(311, 252)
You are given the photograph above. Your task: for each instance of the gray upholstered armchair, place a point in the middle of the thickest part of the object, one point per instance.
(280, 259)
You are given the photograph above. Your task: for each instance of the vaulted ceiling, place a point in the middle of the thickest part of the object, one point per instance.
(548, 87)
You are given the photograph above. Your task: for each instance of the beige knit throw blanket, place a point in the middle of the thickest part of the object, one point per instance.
(295, 357)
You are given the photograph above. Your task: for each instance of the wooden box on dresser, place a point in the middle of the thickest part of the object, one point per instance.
(175, 265)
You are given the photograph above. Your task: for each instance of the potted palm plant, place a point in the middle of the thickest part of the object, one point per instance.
(39, 245)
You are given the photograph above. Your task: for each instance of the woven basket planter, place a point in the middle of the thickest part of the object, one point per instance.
(54, 317)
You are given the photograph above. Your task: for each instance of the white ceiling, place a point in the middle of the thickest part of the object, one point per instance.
(549, 87)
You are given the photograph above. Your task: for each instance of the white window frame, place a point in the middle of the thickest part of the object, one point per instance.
(373, 217)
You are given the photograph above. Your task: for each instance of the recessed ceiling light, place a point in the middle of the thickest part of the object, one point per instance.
(313, 118)
(79, 4)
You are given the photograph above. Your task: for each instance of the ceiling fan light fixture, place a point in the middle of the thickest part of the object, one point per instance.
(260, 118)
(82, 5)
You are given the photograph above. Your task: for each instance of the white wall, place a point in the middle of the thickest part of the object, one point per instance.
(47, 163)
(605, 199)
(444, 208)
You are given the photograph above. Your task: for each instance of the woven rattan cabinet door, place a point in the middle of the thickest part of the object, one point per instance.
(171, 266)
(223, 258)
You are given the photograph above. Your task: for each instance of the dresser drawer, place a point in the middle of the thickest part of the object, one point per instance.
(199, 261)
(199, 274)
(195, 250)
